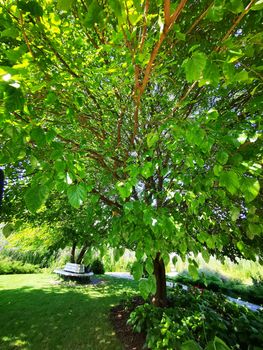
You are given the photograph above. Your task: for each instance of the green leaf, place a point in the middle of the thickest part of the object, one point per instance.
(234, 212)
(229, 180)
(206, 256)
(241, 76)
(147, 287)
(77, 195)
(210, 75)
(13, 99)
(8, 230)
(217, 169)
(137, 270)
(94, 14)
(193, 271)
(190, 345)
(194, 66)
(257, 6)
(250, 189)
(147, 170)
(178, 197)
(235, 6)
(38, 135)
(217, 344)
(222, 157)
(215, 13)
(124, 189)
(116, 7)
(253, 230)
(32, 7)
(152, 138)
(36, 196)
(65, 5)
(10, 32)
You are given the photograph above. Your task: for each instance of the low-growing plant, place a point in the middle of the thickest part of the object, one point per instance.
(234, 288)
(198, 316)
(8, 267)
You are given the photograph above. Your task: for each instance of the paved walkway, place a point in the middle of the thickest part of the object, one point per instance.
(128, 276)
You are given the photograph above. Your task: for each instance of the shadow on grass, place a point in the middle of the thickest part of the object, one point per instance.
(60, 317)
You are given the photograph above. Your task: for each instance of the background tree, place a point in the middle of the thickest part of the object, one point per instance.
(152, 105)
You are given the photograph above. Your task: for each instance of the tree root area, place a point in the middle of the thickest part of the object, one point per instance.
(119, 316)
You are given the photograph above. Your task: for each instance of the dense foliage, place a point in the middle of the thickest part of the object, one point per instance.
(9, 267)
(151, 107)
(97, 267)
(252, 293)
(198, 315)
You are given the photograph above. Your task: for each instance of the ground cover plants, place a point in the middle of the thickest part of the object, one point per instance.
(199, 316)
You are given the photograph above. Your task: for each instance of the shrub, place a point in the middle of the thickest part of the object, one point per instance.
(252, 293)
(97, 267)
(8, 267)
(199, 316)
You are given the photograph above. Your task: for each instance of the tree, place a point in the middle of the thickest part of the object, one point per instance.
(154, 106)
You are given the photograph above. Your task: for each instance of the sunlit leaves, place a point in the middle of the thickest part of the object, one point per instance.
(250, 188)
(222, 157)
(124, 189)
(65, 5)
(152, 138)
(229, 180)
(194, 66)
(77, 195)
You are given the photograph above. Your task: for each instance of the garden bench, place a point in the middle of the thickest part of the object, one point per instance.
(74, 272)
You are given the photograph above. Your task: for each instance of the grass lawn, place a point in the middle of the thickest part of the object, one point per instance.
(37, 313)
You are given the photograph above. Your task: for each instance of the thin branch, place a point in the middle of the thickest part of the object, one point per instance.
(106, 200)
(25, 36)
(237, 21)
(146, 9)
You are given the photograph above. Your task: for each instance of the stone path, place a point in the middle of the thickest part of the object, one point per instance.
(128, 276)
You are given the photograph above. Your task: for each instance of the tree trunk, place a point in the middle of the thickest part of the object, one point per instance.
(160, 297)
(72, 253)
(82, 253)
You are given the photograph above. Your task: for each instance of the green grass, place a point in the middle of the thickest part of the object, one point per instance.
(37, 313)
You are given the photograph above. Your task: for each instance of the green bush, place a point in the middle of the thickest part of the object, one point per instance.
(212, 281)
(8, 267)
(198, 316)
(97, 267)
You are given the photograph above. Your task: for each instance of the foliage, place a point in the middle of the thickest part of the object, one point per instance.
(152, 108)
(9, 267)
(97, 267)
(200, 316)
(212, 281)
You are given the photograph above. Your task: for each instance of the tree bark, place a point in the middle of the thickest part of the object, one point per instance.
(72, 253)
(82, 253)
(160, 297)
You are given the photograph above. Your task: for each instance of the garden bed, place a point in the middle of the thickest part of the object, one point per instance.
(197, 316)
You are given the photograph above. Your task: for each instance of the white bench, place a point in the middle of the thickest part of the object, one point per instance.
(74, 272)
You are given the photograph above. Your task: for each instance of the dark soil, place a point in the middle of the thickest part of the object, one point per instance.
(119, 316)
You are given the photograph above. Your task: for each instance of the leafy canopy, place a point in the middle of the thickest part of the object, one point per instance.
(151, 106)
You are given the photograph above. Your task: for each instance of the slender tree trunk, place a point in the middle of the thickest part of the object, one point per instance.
(160, 297)
(82, 253)
(72, 253)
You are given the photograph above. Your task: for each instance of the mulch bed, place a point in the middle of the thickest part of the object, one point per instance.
(119, 316)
